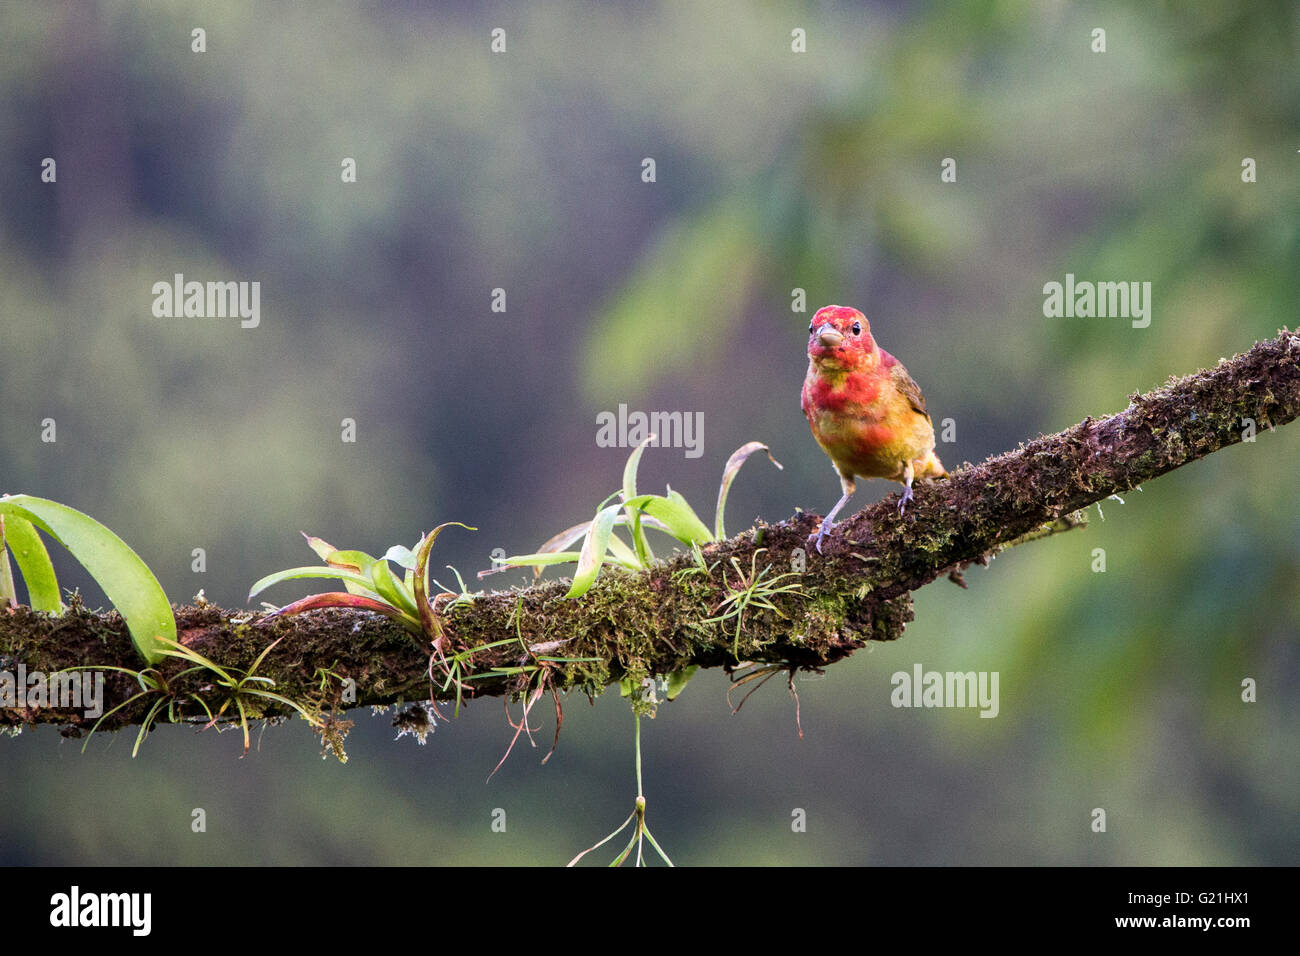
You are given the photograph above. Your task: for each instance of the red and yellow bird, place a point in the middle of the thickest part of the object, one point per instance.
(864, 409)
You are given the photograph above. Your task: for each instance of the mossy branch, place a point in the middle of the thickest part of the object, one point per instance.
(636, 625)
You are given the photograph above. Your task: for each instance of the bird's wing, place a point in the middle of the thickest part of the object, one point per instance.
(905, 384)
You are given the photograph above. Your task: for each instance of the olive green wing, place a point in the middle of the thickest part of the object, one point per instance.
(905, 384)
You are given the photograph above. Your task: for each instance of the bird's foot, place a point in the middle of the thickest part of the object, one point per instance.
(907, 496)
(821, 534)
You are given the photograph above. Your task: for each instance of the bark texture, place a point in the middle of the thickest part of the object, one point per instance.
(635, 626)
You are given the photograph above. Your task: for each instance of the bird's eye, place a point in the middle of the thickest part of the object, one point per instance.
(810, 327)
(857, 328)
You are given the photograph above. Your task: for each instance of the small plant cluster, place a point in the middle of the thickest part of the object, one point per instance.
(754, 589)
(602, 547)
(244, 689)
(139, 598)
(125, 578)
(669, 513)
(636, 819)
(371, 584)
(226, 694)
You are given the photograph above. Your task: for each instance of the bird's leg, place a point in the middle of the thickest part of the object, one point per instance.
(909, 472)
(829, 520)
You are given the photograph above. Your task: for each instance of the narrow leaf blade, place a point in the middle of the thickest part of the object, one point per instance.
(679, 518)
(8, 596)
(34, 563)
(429, 620)
(593, 550)
(677, 680)
(568, 536)
(126, 579)
(314, 571)
(629, 470)
(622, 553)
(738, 458)
(556, 543)
(392, 592)
(557, 557)
(322, 547)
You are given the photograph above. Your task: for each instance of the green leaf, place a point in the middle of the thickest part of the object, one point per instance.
(358, 581)
(737, 459)
(354, 560)
(678, 517)
(629, 470)
(390, 590)
(429, 620)
(553, 550)
(645, 519)
(8, 595)
(322, 547)
(125, 578)
(565, 538)
(357, 561)
(636, 524)
(554, 544)
(540, 559)
(34, 563)
(622, 554)
(248, 674)
(409, 577)
(180, 651)
(639, 543)
(677, 680)
(593, 550)
(623, 558)
(280, 699)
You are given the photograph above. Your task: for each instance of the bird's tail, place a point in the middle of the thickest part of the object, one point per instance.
(930, 467)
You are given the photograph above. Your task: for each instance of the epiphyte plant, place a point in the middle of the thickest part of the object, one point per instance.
(127, 581)
(668, 513)
(371, 584)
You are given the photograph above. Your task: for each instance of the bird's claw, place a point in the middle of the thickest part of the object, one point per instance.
(820, 535)
(907, 496)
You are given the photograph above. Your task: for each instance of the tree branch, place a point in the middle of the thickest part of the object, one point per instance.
(635, 626)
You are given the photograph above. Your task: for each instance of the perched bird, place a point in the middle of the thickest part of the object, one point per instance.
(864, 409)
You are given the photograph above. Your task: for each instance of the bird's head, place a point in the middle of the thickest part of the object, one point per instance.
(840, 338)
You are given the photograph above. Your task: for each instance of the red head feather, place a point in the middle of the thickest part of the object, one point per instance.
(840, 337)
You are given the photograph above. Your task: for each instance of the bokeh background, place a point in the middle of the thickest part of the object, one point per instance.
(775, 170)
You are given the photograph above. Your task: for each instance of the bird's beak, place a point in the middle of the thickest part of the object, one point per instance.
(829, 336)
